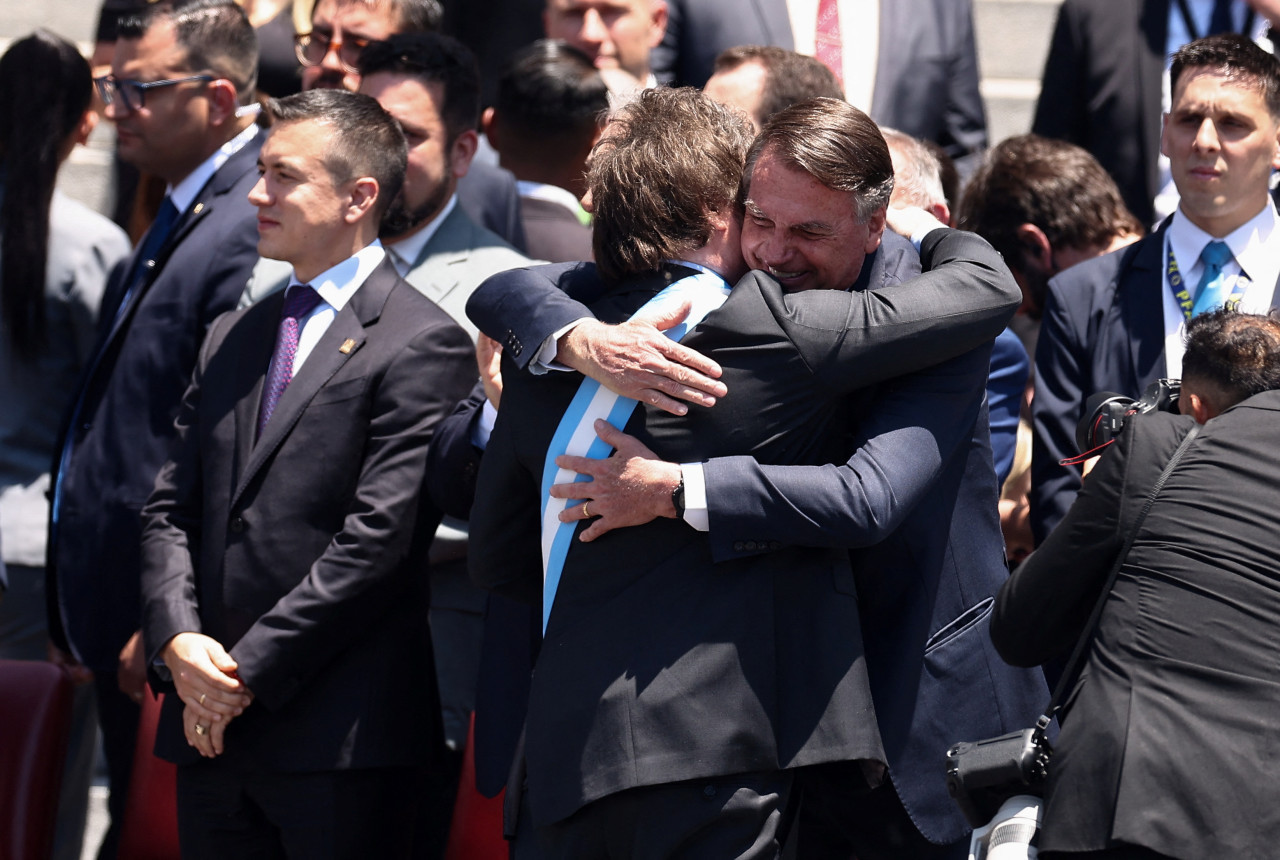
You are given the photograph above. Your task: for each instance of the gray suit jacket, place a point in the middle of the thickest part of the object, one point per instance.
(83, 248)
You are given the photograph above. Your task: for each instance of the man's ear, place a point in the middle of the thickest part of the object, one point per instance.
(223, 101)
(364, 193)
(1035, 247)
(659, 23)
(461, 151)
(875, 230)
(85, 127)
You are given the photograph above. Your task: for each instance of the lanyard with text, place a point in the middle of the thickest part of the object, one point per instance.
(1181, 295)
(576, 433)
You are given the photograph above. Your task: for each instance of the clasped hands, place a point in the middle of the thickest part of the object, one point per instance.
(205, 677)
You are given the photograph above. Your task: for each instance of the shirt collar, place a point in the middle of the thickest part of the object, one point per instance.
(553, 194)
(1249, 243)
(411, 246)
(338, 284)
(185, 191)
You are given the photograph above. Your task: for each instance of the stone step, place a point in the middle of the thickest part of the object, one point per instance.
(1013, 39)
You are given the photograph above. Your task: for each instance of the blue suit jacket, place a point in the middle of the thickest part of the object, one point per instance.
(129, 397)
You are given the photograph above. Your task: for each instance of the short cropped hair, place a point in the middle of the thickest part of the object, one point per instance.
(362, 140)
(412, 16)
(550, 97)
(1237, 355)
(666, 163)
(790, 78)
(835, 143)
(918, 177)
(432, 58)
(1235, 58)
(1054, 185)
(215, 34)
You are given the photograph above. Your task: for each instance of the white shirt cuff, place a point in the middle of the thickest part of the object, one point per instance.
(483, 428)
(545, 358)
(695, 496)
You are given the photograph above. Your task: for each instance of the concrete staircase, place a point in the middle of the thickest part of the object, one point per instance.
(1013, 38)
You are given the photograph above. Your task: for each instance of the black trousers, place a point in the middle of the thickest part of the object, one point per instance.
(230, 808)
(841, 816)
(740, 816)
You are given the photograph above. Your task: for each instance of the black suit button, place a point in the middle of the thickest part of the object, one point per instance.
(237, 524)
(85, 426)
(738, 547)
(709, 792)
(752, 546)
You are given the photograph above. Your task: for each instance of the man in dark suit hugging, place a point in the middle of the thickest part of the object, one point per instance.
(283, 547)
(670, 688)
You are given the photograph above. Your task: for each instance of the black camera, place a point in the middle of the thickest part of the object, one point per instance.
(1106, 412)
(982, 775)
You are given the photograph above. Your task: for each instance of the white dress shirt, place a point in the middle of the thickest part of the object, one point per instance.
(336, 286)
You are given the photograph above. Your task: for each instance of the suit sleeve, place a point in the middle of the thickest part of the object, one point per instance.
(171, 523)
(350, 585)
(965, 119)
(1043, 607)
(454, 462)
(913, 427)
(962, 301)
(1063, 380)
(505, 550)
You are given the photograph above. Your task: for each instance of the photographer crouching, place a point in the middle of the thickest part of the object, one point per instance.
(1170, 741)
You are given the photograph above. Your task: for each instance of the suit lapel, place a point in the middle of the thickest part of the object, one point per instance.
(330, 354)
(255, 364)
(1140, 300)
(451, 248)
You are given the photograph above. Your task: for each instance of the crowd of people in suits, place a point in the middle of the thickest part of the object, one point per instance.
(651, 411)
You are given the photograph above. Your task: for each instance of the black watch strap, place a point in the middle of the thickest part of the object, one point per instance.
(677, 498)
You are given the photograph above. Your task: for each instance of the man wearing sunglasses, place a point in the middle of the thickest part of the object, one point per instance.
(181, 94)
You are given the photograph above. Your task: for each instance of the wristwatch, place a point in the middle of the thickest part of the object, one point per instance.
(677, 499)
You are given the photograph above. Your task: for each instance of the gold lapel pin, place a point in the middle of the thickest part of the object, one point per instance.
(347, 345)
(199, 208)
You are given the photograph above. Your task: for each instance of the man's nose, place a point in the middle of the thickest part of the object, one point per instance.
(593, 28)
(1207, 135)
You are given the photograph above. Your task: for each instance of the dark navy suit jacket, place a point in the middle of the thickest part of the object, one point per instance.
(129, 396)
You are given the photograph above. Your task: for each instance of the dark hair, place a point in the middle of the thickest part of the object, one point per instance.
(790, 78)
(1237, 354)
(1235, 58)
(45, 88)
(551, 98)
(1054, 185)
(835, 143)
(362, 140)
(432, 58)
(215, 34)
(412, 16)
(666, 163)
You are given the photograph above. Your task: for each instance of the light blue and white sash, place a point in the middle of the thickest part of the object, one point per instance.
(576, 433)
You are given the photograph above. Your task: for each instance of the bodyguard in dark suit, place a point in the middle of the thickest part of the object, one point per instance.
(926, 75)
(180, 94)
(1167, 742)
(284, 545)
(1115, 323)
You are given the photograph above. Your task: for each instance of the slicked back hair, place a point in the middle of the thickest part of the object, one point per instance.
(835, 143)
(361, 138)
(790, 78)
(1238, 355)
(666, 164)
(215, 35)
(432, 58)
(1235, 58)
(1056, 186)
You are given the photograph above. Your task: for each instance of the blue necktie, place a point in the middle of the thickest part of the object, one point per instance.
(1214, 286)
(152, 242)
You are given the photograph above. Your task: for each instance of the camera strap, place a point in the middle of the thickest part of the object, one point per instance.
(1076, 663)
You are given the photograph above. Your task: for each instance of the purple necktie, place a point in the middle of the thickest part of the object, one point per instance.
(298, 302)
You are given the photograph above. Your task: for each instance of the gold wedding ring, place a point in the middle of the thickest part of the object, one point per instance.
(200, 730)
(202, 695)
(586, 515)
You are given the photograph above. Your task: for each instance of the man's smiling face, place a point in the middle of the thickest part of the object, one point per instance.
(804, 234)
